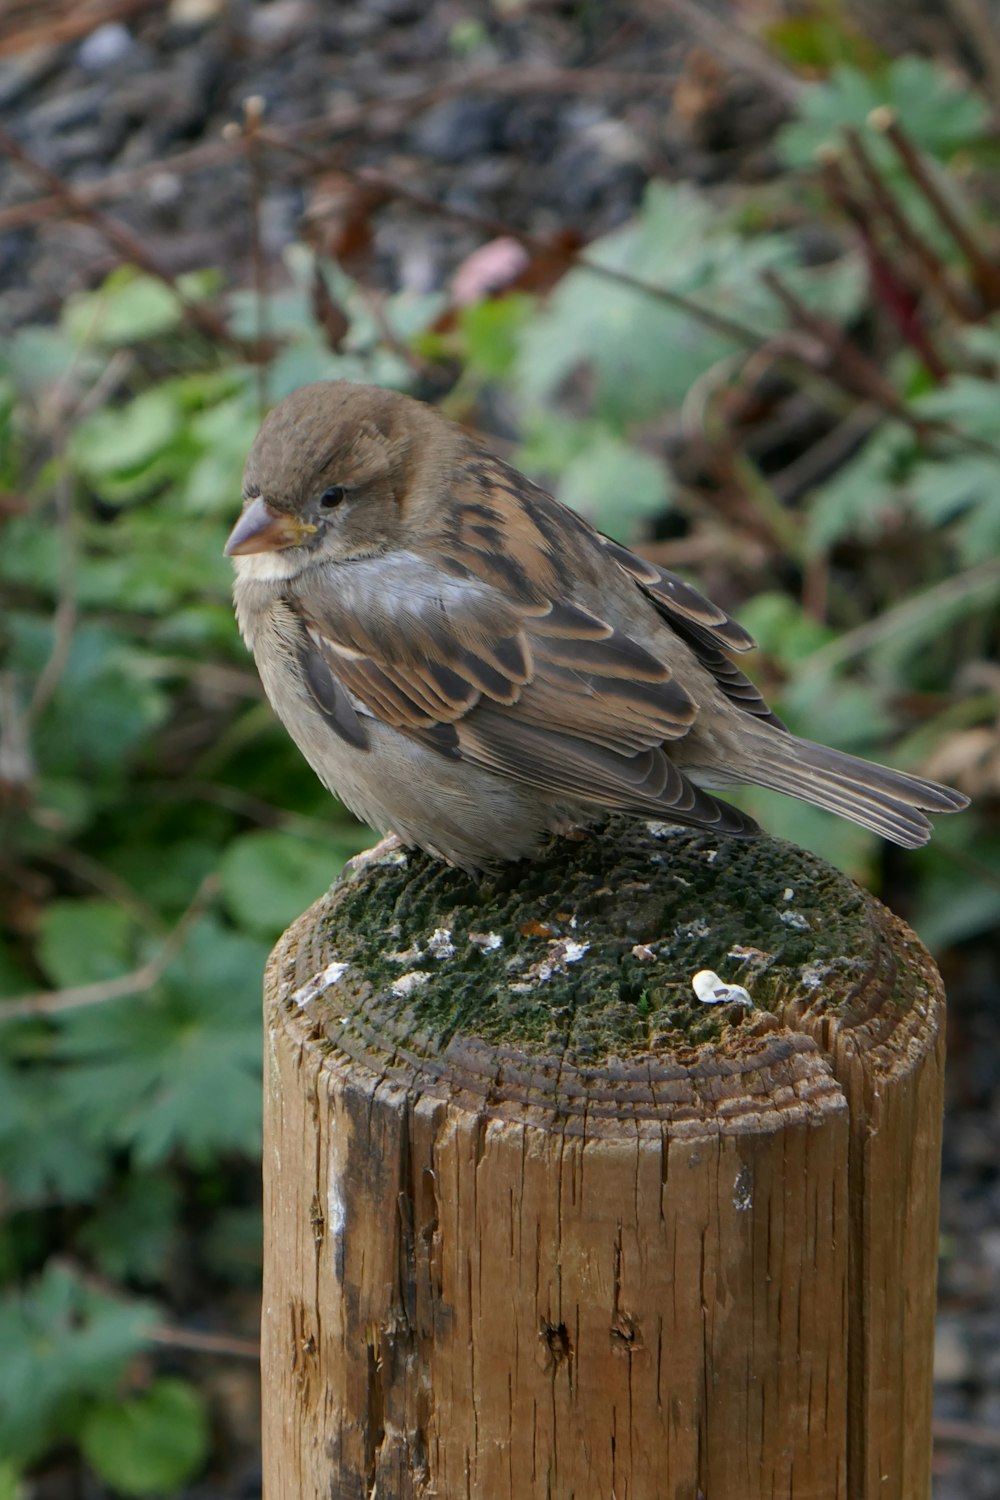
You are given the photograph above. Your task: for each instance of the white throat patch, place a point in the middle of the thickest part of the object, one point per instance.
(268, 567)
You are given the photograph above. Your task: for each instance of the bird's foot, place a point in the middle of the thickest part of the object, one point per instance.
(389, 850)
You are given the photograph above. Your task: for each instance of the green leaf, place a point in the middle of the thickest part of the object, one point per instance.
(862, 497)
(615, 486)
(968, 402)
(36, 357)
(845, 714)
(132, 1235)
(149, 1444)
(269, 878)
(11, 1487)
(82, 941)
(938, 113)
(954, 902)
(104, 704)
(178, 1067)
(61, 1341)
(834, 839)
(31, 553)
(122, 440)
(491, 329)
(645, 353)
(127, 308)
(820, 39)
(780, 627)
(46, 1153)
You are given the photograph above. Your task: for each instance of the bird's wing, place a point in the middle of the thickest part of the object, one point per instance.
(529, 687)
(422, 649)
(706, 628)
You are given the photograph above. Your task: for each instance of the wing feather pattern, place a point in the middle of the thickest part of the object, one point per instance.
(708, 630)
(475, 654)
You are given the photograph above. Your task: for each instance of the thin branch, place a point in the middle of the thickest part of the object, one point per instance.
(376, 118)
(740, 333)
(129, 246)
(986, 274)
(934, 274)
(825, 456)
(205, 1343)
(100, 878)
(739, 47)
(66, 612)
(76, 21)
(976, 1434)
(981, 29)
(253, 115)
(939, 596)
(847, 363)
(78, 997)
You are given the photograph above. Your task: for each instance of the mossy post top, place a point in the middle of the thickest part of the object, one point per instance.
(560, 991)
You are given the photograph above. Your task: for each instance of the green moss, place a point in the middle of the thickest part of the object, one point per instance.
(598, 942)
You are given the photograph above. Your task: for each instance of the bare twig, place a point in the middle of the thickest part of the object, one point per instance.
(976, 1434)
(204, 1343)
(825, 456)
(986, 274)
(17, 767)
(740, 333)
(253, 115)
(940, 596)
(933, 273)
(374, 118)
(204, 319)
(72, 23)
(981, 28)
(730, 41)
(77, 997)
(101, 878)
(65, 615)
(846, 362)
(256, 811)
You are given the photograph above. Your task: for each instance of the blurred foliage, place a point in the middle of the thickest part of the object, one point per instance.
(157, 823)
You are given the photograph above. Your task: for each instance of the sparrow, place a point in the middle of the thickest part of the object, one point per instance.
(470, 667)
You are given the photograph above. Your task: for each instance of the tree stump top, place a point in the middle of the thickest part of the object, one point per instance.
(559, 992)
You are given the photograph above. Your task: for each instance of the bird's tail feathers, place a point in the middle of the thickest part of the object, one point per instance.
(891, 803)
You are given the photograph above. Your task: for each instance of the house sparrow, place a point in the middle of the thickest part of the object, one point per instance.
(468, 665)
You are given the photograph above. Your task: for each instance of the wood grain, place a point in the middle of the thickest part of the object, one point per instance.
(576, 1236)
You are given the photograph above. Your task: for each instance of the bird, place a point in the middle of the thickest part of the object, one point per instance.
(471, 668)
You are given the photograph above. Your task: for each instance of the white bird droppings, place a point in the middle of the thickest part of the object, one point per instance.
(314, 987)
(407, 983)
(440, 944)
(711, 990)
(487, 941)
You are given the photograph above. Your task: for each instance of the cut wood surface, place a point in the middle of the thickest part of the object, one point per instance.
(540, 1224)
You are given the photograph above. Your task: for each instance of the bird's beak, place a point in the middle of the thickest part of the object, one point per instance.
(261, 529)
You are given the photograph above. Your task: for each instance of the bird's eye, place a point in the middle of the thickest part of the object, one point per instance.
(332, 497)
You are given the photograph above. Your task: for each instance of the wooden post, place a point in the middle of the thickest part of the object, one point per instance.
(542, 1226)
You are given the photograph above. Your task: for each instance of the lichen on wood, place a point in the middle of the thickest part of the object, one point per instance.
(542, 1223)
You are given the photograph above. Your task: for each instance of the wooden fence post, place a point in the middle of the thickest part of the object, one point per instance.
(540, 1225)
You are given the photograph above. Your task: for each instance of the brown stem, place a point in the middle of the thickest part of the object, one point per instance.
(253, 116)
(934, 273)
(986, 274)
(375, 118)
(77, 997)
(128, 245)
(739, 333)
(846, 361)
